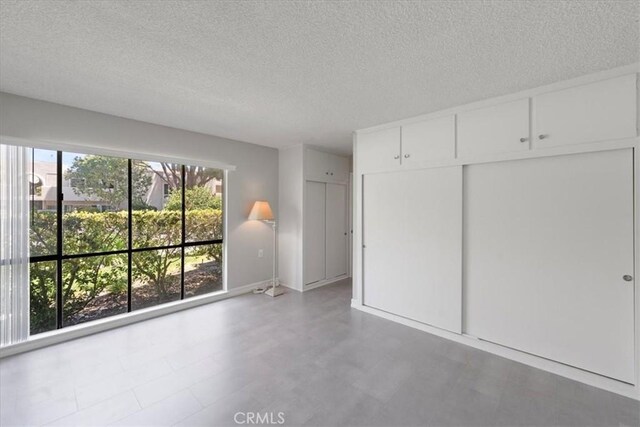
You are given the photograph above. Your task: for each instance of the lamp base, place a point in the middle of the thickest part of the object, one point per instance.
(274, 291)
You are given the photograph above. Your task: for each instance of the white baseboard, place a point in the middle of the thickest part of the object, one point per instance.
(289, 287)
(324, 282)
(72, 332)
(557, 368)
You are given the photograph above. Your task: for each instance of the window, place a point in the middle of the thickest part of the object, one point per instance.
(111, 235)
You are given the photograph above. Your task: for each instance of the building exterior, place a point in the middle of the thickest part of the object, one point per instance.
(43, 191)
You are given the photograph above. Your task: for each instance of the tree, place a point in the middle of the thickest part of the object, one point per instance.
(194, 176)
(106, 178)
(194, 198)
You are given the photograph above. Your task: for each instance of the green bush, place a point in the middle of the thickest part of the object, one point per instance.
(84, 279)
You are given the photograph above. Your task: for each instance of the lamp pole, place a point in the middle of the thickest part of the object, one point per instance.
(274, 291)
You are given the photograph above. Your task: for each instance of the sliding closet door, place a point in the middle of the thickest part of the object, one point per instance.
(336, 229)
(413, 237)
(382, 226)
(314, 232)
(547, 243)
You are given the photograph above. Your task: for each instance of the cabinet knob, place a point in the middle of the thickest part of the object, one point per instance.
(524, 139)
(326, 173)
(627, 278)
(331, 174)
(406, 156)
(542, 136)
(396, 157)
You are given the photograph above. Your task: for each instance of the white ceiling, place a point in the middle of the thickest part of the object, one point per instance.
(280, 73)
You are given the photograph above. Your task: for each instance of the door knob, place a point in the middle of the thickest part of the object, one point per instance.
(524, 139)
(627, 278)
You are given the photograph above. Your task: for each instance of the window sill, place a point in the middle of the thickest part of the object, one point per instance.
(77, 331)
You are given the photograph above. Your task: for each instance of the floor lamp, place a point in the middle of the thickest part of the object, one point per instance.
(261, 211)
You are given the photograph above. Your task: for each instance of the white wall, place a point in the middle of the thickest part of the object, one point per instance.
(255, 177)
(291, 204)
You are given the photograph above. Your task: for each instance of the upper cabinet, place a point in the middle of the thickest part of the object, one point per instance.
(428, 141)
(410, 146)
(325, 167)
(597, 112)
(601, 111)
(502, 128)
(379, 151)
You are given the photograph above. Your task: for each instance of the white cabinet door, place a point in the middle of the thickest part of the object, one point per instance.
(338, 168)
(325, 167)
(547, 243)
(336, 230)
(315, 165)
(379, 151)
(428, 141)
(599, 111)
(314, 232)
(413, 238)
(502, 128)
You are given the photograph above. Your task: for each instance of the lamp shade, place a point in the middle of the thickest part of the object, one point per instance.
(261, 211)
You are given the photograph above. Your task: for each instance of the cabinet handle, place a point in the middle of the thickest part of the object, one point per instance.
(524, 139)
(396, 157)
(406, 156)
(541, 136)
(627, 278)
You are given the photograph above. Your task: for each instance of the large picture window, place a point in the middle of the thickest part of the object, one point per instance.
(111, 235)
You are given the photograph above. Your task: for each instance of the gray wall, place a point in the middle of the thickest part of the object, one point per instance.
(255, 177)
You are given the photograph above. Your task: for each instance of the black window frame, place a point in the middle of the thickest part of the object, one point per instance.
(59, 257)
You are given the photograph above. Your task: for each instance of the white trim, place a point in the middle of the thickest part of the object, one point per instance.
(225, 234)
(72, 332)
(136, 155)
(603, 75)
(528, 359)
(325, 282)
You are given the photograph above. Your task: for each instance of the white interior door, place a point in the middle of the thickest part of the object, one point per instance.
(413, 237)
(336, 230)
(547, 243)
(314, 232)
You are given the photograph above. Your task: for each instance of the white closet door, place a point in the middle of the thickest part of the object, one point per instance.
(413, 239)
(547, 244)
(314, 232)
(336, 230)
(382, 259)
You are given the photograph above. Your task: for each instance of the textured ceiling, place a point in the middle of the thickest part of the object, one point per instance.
(283, 73)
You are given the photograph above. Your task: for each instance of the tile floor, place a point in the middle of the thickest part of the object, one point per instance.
(308, 356)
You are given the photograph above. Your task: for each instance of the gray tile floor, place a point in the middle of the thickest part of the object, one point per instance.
(308, 356)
